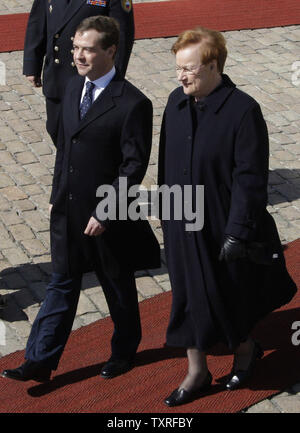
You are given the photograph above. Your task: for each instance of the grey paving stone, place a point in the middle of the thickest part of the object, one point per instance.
(98, 299)
(21, 232)
(89, 318)
(147, 286)
(265, 406)
(85, 305)
(15, 256)
(287, 403)
(31, 312)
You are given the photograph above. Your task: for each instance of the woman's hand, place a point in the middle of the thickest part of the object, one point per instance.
(232, 249)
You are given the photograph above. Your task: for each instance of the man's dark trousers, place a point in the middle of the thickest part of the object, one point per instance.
(53, 110)
(53, 324)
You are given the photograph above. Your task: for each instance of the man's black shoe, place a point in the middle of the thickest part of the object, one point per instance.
(29, 371)
(115, 368)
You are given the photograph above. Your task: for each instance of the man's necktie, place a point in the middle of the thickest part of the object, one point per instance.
(87, 99)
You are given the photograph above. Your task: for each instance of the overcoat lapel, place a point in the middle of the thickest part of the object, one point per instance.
(102, 105)
(73, 106)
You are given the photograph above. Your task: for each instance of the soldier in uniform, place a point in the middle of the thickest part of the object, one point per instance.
(48, 44)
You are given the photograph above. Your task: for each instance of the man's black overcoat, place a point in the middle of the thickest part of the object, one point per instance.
(51, 27)
(228, 154)
(113, 140)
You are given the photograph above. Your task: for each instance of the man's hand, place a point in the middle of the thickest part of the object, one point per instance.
(34, 80)
(94, 228)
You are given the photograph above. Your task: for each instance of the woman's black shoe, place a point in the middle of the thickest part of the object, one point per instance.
(181, 396)
(239, 377)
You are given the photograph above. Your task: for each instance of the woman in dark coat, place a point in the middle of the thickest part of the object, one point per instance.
(232, 272)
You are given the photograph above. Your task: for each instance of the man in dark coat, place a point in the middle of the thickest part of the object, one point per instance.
(105, 136)
(231, 273)
(50, 31)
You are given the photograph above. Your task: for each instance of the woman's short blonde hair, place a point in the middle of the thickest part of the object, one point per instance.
(213, 45)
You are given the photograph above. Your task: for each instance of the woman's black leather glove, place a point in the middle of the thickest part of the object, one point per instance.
(232, 249)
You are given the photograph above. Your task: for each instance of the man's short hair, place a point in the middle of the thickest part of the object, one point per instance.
(107, 26)
(213, 45)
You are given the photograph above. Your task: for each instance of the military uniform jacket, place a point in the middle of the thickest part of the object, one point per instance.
(113, 140)
(51, 28)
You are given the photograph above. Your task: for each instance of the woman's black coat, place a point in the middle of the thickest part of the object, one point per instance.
(228, 154)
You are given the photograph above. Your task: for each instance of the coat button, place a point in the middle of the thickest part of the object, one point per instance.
(72, 51)
(71, 169)
(73, 64)
(74, 140)
(72, 38)
(56, 61)
(56, 36)
(56, 48)
(70, 197)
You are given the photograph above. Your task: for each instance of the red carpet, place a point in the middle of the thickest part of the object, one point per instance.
(77, 388)
(169, 18)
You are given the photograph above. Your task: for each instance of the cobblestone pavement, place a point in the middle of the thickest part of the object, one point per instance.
(260, 62)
